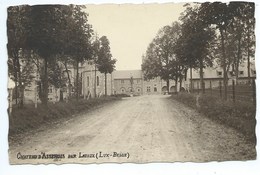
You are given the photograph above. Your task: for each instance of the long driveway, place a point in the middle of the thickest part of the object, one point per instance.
(153, 128)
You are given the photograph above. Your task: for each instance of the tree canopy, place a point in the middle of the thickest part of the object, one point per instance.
(208, 33)
(105, 62)
(157, 62)
(48, 31)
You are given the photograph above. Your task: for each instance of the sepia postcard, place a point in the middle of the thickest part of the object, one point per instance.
(131, 83)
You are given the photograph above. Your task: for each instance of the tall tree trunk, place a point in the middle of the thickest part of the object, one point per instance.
(111, 84)
(15, 77)
(16, 92)
(248, 56)
(238, 57)
(61, 94)
(105, 84)
(176, 84)
(68, 75)
(180, 83)
(20, 83)
(224, 64)
(77, 80)
(201, 76)
(168, 85)
(45, 83)
(191, 82)
(95, 81)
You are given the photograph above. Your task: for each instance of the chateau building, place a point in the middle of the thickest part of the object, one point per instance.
(212, 76)
(131, 82)
(127, 82)
(93, 81)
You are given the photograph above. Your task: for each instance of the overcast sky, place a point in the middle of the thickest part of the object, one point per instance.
(130, 28)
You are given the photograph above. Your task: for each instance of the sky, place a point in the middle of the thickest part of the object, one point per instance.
(131, 27)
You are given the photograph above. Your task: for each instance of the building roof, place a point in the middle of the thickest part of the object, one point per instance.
(126, 74)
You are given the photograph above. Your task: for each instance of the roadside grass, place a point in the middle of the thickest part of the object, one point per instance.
(239, 115)
(29, 118)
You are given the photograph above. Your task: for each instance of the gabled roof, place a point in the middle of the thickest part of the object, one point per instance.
(127, 74)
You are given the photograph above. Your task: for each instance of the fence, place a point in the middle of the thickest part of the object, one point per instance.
(236, 91)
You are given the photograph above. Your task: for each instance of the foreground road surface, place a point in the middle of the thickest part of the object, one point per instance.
(137, 129)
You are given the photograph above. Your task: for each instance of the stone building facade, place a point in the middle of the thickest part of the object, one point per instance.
(92, 84)
(133, 82)
(128, 82)
(212, 76)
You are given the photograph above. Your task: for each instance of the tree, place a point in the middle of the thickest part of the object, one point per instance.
(232, 20)
(193, 47)
(47, 23)
(219, 15)
(159, 58)
(59, 30)
(79, 39)
(240, 34)
(56, 77)
(105, 63)
(249, 20)
(17, 31)
(96, 50)
(66, 60)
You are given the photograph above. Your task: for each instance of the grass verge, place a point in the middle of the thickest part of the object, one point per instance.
(239, 115)
(29, 118)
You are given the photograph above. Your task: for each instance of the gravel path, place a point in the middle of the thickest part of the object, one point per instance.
(138, 129)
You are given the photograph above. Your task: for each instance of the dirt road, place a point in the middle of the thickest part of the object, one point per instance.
(136, 129)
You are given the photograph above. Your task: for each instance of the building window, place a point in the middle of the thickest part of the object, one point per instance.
(254, 72)
(148, 89)
(122, 81)
(138, 90)
(241, 72)
(219, 73)
(88, 81)
(155, 89)
(122, 90)
(97, 80)
(50, 89)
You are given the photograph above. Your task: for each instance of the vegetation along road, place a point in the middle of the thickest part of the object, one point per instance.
(152, 128)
